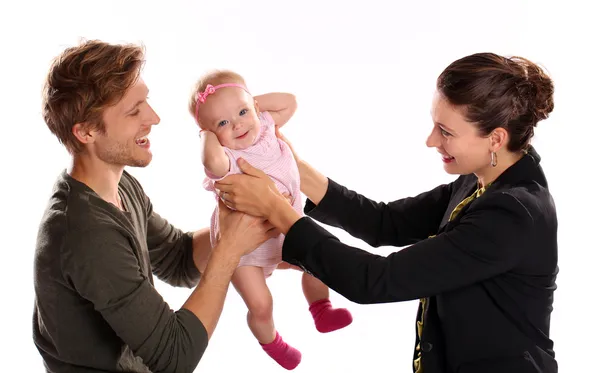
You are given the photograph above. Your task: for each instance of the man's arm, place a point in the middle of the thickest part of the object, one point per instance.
(201, 248)
(281, 106)
(104, 268)
(177, 258)
(239, 235)
(171, 252)
(207, 300)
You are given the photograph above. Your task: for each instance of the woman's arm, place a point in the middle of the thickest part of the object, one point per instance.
(398, 223)
(312, 183)
(489, 240)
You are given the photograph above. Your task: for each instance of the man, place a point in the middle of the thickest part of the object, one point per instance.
(100, 241)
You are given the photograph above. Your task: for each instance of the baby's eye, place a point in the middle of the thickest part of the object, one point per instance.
(222, 123)
(243, 112)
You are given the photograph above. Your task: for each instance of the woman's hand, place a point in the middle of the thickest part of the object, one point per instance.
(242, 233)
(252, 192)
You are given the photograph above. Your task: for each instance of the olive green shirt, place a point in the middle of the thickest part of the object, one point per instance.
(96, 308)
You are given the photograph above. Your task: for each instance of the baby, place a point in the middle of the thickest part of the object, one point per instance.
(235, 124)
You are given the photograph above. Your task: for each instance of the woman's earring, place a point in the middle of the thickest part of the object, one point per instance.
(494, 159)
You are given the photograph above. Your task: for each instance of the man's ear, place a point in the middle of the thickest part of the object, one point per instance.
(84, 132)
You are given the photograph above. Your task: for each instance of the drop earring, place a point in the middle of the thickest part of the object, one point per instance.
(494, 159)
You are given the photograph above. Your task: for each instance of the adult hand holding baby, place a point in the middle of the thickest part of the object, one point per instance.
(252, 192)
(243, 233)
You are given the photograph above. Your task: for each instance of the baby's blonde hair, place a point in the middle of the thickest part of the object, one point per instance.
(214, 78)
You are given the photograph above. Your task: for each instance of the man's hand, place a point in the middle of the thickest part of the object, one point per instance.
(243, 233)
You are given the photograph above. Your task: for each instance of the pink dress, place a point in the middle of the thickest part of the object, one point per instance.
(273, 157)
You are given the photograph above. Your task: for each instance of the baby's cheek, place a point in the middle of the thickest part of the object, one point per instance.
(222, 139)
(256, 127)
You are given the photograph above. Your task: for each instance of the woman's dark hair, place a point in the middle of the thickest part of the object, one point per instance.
(512, 93)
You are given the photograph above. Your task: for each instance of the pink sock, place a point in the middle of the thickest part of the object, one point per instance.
(327, 318)
(284, 354)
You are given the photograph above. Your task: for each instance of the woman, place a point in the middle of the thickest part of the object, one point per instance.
(483, 254)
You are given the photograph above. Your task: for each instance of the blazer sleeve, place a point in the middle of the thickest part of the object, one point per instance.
(397, 223)
(487, 240)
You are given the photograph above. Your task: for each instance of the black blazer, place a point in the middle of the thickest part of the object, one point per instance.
(489, 274)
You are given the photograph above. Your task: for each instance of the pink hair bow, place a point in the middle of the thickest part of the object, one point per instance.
(208, 91)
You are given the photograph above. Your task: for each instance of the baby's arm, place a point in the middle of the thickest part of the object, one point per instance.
(214, 158)
(281, 106)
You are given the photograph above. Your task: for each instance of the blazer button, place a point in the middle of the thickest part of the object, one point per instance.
(426, 346)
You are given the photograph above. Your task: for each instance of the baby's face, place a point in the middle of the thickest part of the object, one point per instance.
(231, 114)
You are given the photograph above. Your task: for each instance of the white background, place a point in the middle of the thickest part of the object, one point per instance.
(364, 73)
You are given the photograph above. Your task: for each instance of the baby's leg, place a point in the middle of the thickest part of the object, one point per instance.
(327, 318)
(250, 283)
(313, 288)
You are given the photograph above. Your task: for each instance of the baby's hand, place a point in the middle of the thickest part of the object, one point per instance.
(204, 132)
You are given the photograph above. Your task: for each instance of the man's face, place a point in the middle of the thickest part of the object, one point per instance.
(127, 125)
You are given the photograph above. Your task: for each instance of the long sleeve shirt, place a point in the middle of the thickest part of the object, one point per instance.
(96, 307)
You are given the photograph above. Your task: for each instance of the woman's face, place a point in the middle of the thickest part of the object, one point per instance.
(464, 151)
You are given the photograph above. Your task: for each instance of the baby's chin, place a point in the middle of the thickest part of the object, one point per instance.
(239, 145)
(246, 142)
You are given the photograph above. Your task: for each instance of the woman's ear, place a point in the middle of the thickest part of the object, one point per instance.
(498, 138)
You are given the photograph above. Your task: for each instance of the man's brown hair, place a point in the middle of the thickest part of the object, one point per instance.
(83, 81)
